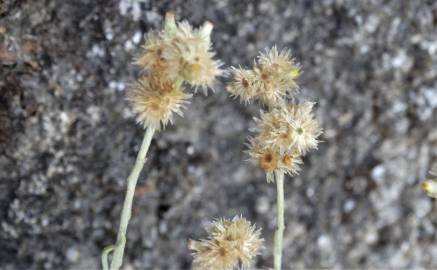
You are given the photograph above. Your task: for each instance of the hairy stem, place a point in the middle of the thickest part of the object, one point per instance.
(117, 258)
(279, 232)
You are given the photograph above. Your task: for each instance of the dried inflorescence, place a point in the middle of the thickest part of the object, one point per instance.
(175, 55)
(283, 135)
(155, 100)
(271, 80)
(287, 131)
(230, 244)
(181, 52)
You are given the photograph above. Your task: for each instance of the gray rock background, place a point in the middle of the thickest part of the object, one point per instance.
(68, 138)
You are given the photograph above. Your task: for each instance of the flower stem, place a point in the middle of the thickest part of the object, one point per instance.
(117, 258)
(279, 232)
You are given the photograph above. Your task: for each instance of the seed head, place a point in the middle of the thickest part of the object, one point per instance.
(291, 128)
(304, 128)
(271, 80)
(230, 243)
(151, 58)
(283, 135)
(243, 84)
(282, 64)
(271, 159)
(190, 55)
(155, 100)
(180, 52)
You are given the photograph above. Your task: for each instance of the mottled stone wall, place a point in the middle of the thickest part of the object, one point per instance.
(68, 138)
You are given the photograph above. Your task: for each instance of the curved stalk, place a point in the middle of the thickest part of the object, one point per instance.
(279, 232)
(118, 248)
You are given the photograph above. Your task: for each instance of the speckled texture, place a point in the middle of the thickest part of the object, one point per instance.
(68, 138)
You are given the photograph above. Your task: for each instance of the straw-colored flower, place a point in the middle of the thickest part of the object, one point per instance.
(180, 52)
(155, 100)
(288, 128)
(271, 80)
(189, 56)
(243, 84)
(283, 66)
(271, 159)
(150, 58)
(230, 244)
(304, 128)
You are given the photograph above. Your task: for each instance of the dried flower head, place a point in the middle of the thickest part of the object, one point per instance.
(177, 54)
(282, 136)
(155, 100)
(304, 128)
(271, 159)
(151, 58)
(271, 80)
(292, 126)
(180, 52)
(243, 84)
(230, 243)
(190, 56)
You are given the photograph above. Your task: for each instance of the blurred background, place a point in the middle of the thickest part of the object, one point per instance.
(68, 138)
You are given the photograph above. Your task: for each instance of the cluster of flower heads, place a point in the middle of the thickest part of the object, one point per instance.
(430, 185)
(270, 81)
(177, 54)
(287, 131)
(230, 244)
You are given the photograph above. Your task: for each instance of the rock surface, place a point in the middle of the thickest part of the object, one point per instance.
(68, 138)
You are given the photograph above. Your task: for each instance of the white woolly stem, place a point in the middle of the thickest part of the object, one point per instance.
(279, 232)
(117, 258)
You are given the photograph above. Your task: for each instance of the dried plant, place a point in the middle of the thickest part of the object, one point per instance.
(179, 54)
(230, 244)
(285, 132)
(270, 81)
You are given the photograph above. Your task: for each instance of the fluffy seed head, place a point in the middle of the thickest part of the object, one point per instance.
(266, 157)
(151, 58)
(181, 52)
(290, 127)
(304, 128)
(282, 64)
(229, 244)
(191, 60)
(189, 56)
(271, 159)
(271, 80)
(155, 100)
(243, 84)
(283, 135)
